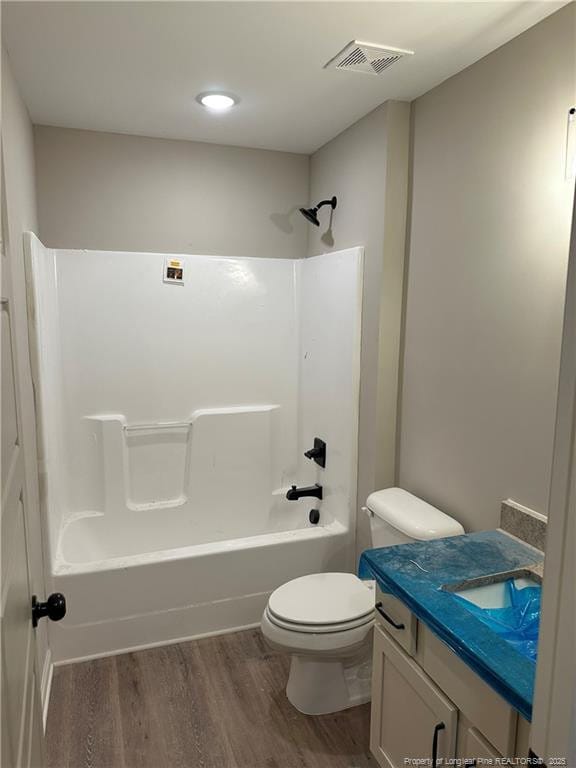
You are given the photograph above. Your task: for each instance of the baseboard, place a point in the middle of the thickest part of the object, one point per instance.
(82, 642)
(148, 646)
(46, 685)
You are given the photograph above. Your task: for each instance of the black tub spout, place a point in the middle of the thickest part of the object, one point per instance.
(298, 493)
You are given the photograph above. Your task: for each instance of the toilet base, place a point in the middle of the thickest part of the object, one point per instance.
(319, 687)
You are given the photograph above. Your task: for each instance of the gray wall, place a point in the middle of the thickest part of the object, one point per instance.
(366, 167)
(487, 265)
(119, 192)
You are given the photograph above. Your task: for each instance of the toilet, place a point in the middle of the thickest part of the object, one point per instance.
(325, 620)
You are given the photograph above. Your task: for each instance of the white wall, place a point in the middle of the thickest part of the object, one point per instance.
(46, 360)
(193, 403)
(330, 301)
(107, 191)
(487, 269)
(366, 167)
(19, 185)
(134, 350)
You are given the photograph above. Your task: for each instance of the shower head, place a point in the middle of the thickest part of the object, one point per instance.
(311, 214)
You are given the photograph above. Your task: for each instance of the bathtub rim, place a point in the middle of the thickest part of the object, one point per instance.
(61, 567)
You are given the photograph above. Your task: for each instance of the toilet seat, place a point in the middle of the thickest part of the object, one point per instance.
(319, 628)
(327, 645)
(322, 602)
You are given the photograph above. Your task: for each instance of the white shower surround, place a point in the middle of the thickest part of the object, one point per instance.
(243, 366)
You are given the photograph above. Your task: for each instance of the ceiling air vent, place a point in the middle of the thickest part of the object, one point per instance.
(366, 57)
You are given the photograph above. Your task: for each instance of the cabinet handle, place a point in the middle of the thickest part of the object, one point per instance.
(384, 615)
(439, 727)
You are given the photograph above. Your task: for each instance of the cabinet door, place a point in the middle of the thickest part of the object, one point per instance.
(408, 710)
(473, 747)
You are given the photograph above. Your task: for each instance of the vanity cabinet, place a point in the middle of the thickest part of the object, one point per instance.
(426, 700)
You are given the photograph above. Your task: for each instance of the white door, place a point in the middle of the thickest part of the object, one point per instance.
(22, 733)
(553, 731)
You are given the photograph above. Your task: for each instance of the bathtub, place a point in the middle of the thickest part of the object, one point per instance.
(169, 437)
(131, 586)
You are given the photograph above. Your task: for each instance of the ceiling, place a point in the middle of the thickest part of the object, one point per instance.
(136, 67)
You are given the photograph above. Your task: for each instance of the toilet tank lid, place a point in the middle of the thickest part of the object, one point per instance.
(412, 516)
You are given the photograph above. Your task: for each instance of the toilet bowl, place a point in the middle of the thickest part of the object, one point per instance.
(325, 620)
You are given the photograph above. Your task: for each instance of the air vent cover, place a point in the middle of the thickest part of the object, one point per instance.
(369, 58)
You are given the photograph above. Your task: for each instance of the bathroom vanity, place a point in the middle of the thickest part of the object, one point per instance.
(444, 685)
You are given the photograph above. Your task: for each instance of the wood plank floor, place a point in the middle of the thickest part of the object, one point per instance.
(212, 703)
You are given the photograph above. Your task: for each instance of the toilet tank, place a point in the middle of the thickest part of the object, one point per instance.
(399, 517)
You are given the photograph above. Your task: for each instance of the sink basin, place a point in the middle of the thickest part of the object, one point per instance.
(509, 604)
(494, 595)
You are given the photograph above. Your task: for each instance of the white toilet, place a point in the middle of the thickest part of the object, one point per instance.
(325, 620)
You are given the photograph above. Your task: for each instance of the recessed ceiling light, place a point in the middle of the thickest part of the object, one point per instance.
(217, 102)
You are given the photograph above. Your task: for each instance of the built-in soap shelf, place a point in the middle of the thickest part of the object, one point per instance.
(158, 425)
(158, 465)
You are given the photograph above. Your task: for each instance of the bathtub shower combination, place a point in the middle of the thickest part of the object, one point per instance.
(173, 418)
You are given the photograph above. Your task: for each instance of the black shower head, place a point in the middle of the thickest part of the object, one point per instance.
(311, 214)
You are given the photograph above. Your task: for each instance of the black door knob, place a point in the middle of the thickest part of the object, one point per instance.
(54, 608)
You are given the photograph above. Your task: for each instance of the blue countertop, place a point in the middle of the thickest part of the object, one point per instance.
(415, 574)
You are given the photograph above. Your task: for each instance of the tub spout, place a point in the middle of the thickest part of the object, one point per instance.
(298, 493)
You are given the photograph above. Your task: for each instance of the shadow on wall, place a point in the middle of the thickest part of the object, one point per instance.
(283, 222)
(328, 237)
